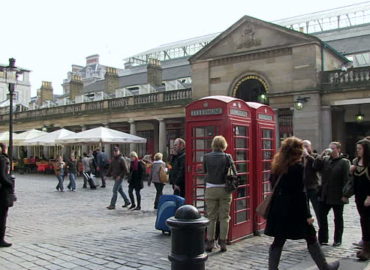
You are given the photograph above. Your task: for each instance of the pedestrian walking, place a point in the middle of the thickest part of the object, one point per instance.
(218, 200)
(6, 189)
(118, 171)
(361, 189)
(310, 177)
(154, 177)
(102, 165)
(177, 173)
(59, 169)
(72, 172)
(289, 216)
(135, 180)
(334, 169)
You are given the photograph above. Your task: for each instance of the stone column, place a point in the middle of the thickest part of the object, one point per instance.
(326, 127)
(339, 126)
(162, 136)
(107, 146)
(133, 132)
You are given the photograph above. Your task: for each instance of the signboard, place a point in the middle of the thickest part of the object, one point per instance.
(265, 117)
(202, 112)
(239, 112)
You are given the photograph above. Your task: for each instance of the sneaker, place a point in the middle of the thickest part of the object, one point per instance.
(5, 244)
(102, 186)
(337, 244)
(110, 207)
(137, 208)
(132, 206)
(210, 245)
(126, 204)
(84, 186)
(324, 243)
(222, 245)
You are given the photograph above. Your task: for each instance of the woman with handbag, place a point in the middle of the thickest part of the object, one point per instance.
(289, 215)
(217, 198)
(361, 189)
(154, 177)
(7, 196)
(59, 169)
(135, 180)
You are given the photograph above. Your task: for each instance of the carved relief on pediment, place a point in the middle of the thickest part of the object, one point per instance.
(248, 37)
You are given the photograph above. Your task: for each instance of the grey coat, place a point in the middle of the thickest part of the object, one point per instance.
(215, 166)
(154, 173)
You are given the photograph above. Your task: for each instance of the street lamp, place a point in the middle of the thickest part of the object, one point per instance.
(11, 73)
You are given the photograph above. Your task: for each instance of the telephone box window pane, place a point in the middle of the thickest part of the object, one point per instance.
(267, 155)
(240, 131)
(200, 180)
(199, 132)
(267, 144)
(203, 144)
(266, 187)
(266, 165)
(266, 176)
(241, 216)
(241, 205)
(242, 167)
(210, 131)
(243, 179)
(241, 155)
(198, 168)
(242, 192)
(198, 156)
(241, 142)
(267, 133)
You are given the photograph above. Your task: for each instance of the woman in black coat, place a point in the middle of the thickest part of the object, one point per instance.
(289, 216)
(135, 180)
(6, 188)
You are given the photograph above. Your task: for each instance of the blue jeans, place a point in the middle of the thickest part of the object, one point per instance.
(72, 181)
(60, 182)
(117, 187)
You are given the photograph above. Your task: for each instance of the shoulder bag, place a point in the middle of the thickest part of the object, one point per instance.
(231, 179)
(163, 177)
(263, 208)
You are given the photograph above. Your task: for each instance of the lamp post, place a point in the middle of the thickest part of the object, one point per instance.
(11, 73)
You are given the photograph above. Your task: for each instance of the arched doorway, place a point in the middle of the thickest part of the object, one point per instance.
(251, 88)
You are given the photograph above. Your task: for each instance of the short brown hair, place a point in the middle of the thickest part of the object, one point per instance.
(219, 143)
(337, 145)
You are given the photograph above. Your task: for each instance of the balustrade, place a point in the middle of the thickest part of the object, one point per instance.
(343, 79)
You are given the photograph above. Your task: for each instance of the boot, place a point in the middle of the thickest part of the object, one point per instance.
(364, 254)
(319, 258)
(222, 245)
(3, 243)
(133, 206)
(274, 257)
(210, 245)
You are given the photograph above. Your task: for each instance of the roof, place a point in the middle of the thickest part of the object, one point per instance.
(351, 45)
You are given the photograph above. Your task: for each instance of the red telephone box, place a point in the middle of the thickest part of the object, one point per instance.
(264, 147)
(230, 117)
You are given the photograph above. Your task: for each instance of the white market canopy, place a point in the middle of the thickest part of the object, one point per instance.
(4, 137)
(19, 139)
(49, 138)
(100, 135)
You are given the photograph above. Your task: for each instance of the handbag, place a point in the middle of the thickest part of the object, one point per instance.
(231, 179)
(163, 177)
(263, 208)
(10, 199)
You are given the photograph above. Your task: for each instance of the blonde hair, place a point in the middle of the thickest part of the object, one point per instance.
(133, 154)
(219, 143)
(158, 156)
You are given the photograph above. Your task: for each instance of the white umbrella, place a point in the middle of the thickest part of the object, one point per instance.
(20, 138)
(100, 135)
(49, 138)
(4, 137)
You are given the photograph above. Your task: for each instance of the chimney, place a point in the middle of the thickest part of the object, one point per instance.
(154, 72)
(45, 93)
(92, 60)
(111, 80)
(75, 87)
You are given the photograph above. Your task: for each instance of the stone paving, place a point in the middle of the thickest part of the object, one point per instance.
(73, 230)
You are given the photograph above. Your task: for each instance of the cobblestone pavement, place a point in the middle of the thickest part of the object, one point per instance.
(73, 230)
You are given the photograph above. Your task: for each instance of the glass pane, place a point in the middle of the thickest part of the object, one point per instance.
(203, 144)
(241, 155)
(200, 180)
(199, 204)
(267, 133)
(267, 144)
(242, 167)
(200, 192)
(240, 131)
(267, 155)
(198, 156)
(241, 216)
(266, 187)
(241, 204)
(266, 165)
(210, 131)
(199, 132)
(266, 176)
(241, 142)
(242, 192)
(243, 179)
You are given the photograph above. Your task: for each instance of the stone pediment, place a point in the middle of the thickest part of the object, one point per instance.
(250, 35)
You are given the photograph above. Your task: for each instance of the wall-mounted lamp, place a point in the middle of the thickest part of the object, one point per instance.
(300, 101)
(262, 98)
(360, 116)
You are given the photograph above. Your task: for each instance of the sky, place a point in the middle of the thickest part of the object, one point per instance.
(48, 36)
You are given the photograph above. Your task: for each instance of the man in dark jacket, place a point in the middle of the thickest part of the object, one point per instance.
(102, 164)
(177, 173)
(310, 178)
(335, 174)
(118, 170)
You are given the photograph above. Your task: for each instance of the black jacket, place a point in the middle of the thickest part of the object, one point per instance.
(177, 173)
(334, 177)
(136, 176)
(289, 208)
(6, 181)
(118, 167)
(310, 178)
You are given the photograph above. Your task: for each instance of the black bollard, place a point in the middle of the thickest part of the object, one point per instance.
(187, 231)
